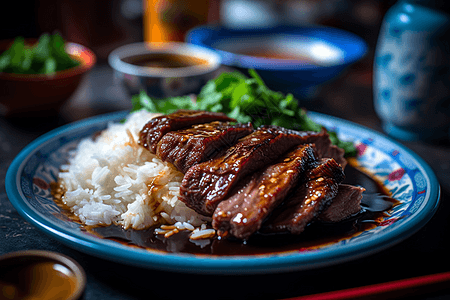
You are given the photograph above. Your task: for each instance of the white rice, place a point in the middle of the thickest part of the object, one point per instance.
(113, 180)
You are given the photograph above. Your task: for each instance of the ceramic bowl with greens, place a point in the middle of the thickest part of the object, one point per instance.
(38, 76)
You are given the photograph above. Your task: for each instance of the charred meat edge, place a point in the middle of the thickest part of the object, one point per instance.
(187, 147)
(323, 146)
(156, 128)
(243, 213)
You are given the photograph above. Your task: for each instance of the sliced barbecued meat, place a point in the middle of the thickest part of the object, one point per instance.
(337, 154)
(320, 139)
(187, 147)
(325, 167)
(346, 204)
(157, 127)
(324, 148)
(206, 184)
(243, 213)
(323, 145)
(314, 194)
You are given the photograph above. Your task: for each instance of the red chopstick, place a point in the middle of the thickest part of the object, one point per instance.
(388, 290)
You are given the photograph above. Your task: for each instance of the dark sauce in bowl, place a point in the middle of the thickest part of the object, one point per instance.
(40, 280)
(165, 60)
(375, 205)
(35, 274)
(268, 53)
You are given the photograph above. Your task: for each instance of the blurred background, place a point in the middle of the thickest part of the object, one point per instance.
(102, 25)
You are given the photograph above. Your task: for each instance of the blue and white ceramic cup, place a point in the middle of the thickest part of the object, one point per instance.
(412, 72)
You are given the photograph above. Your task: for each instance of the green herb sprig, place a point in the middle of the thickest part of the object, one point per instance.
(246, 100)
(47, 56)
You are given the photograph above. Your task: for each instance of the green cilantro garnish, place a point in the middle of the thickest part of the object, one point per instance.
(246, 100)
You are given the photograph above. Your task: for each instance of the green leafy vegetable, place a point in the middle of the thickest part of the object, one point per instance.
(246, 100)
(47, 56)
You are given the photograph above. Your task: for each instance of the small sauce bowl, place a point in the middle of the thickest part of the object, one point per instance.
(35, 274)
(163, 69)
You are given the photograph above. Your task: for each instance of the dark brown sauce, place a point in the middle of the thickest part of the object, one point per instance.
(376, 202)
(38, 280)
(278, 54)
(165, 60)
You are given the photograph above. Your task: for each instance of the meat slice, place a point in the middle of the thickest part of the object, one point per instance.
(323, 145)
(243, 213)
(188, 147)
(314, 194)
(337, 154)
(346, 204)
(156, 128)
(325, 167)
(325, 149)
(206, 184)
(320, 139)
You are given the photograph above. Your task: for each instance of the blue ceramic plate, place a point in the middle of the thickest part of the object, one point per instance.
(406, 175)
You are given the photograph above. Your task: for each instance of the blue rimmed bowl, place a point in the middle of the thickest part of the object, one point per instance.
(290, 59)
